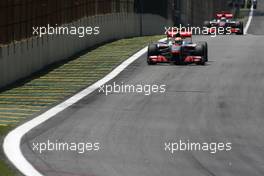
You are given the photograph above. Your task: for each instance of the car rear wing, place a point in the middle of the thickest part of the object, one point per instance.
(227, 15)
(182, 34)
(186, 34)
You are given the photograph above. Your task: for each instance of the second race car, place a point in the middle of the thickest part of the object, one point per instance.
(225, 20)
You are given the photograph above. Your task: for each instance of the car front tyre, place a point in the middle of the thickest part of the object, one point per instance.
(152, 51)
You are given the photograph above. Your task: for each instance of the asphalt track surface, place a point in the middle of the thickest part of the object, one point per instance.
(220, 102)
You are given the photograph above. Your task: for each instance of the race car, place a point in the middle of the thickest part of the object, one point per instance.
(226, 21)
(250, 2)
(178, 49)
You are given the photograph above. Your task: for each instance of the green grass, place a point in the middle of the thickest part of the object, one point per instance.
(59, 81)
(4, 130)
(5, 170)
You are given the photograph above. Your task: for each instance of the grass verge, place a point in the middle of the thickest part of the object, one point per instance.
(50, 86)
(5, 169)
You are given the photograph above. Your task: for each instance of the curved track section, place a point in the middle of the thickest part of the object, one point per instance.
(220, 102)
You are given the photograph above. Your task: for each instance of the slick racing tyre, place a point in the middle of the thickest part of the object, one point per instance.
(241, 27)
(152, 51)
(203, 50)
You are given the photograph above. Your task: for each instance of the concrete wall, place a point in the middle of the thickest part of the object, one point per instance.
(19, 60)
(154, 24)
(195, 12)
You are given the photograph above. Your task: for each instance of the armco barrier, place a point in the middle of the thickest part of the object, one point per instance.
(21, 59)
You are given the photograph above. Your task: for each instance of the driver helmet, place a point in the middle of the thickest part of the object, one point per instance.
(171, 40)
(223, 18)
(179, 40)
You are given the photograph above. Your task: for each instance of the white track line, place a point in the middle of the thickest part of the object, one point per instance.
(249, 20)
(12, 141)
